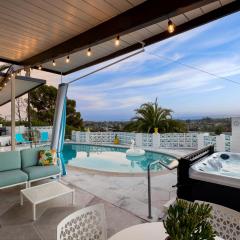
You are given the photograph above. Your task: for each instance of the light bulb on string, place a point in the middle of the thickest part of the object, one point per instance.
(67, 59)
(117, 41)
(171, 26)
(89, 52)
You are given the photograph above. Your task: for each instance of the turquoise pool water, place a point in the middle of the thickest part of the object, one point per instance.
(111, 159)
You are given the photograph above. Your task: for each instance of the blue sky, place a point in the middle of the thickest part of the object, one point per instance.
(114, 93)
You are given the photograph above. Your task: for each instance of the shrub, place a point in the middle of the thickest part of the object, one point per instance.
(187, 221)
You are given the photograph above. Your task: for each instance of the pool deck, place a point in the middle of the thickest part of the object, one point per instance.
(127, 192)
(124, 198)
(16, 221)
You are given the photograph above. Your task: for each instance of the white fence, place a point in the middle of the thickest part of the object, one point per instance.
(169, 140)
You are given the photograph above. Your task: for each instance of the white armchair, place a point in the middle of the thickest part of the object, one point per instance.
(85, 224)
(225, 221)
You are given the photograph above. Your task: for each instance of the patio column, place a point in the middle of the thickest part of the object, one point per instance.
(59, 123)
(13, 94)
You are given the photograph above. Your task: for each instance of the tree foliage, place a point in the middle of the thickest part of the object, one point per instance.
(21, 109)
(150, 115)
(42, 104)
(218, 130)
(42, 108)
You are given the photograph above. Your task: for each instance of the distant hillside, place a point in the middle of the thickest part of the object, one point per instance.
(214, 125)
(209, 125)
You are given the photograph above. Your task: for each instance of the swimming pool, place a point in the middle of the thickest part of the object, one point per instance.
(111, 159)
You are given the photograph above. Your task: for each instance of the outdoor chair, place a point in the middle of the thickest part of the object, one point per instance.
(21, 139)
(225, 221)
(86, 223)
(44, 137)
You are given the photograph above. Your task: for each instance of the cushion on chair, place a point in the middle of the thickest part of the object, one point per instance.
(12, 177)
(10, 160)
(36, 172)
(47, 157)
(30, 156)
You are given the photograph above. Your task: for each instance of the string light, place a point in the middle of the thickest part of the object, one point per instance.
(89, 52)
(67, 59)
(53, 63)
(171, 26)
(40, 67)
(117, 41)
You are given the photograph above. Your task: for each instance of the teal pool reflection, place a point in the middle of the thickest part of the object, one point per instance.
(111, 159)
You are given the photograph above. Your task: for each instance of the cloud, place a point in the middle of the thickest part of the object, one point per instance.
(177, 77)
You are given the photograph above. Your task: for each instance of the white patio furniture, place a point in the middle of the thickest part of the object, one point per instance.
(145, 231)
(225, 221)
(45, 192)
(87, 223)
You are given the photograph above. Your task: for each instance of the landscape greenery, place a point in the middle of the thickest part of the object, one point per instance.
(42, 107)
(186, 220)
(150, 116)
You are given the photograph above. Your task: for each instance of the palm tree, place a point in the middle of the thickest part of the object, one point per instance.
(149, 116)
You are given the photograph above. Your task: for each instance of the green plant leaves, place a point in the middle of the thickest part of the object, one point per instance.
(189, 221)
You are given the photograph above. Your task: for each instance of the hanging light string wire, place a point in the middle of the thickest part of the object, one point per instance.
(192, 67)
(106, 66)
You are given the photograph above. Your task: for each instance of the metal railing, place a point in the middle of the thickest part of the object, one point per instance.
(169, 167)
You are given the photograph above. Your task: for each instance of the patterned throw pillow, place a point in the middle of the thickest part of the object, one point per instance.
(47, 157)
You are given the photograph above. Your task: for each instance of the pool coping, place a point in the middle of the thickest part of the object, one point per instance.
(120, 174)
(117, 174)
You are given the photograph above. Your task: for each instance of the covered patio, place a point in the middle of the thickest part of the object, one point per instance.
(63, 37)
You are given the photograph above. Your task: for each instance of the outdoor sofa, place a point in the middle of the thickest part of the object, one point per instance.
(21, 167)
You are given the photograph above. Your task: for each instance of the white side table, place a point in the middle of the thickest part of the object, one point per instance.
(45, 192)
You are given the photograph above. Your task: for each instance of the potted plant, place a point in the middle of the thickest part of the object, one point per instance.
(187, 221)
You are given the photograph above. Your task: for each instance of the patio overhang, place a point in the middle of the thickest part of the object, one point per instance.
(47, 31)
(23, 85)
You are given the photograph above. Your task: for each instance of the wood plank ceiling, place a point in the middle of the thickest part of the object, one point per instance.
(34, 32)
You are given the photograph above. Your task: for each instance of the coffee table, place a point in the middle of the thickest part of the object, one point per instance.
(45, 192)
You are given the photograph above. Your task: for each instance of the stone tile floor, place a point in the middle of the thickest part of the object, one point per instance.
(16, 221)
(124, 198)
(128, 192)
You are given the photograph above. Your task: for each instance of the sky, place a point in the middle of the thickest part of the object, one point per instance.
(167, 71)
